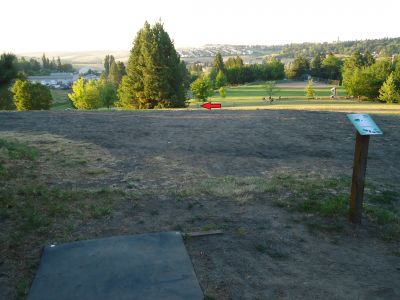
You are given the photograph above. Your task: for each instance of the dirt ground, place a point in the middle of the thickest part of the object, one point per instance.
(265, 252)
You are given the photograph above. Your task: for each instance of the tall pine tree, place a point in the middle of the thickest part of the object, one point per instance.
(217, 66)
(115, 75)
(155, 75)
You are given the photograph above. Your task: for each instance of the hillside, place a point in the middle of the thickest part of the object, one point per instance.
(250, 53)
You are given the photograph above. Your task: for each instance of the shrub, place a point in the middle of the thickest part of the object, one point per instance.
(31, 96)
(86, 94)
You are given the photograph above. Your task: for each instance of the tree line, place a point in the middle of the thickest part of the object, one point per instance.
(233, 72)
(16, 91)
(156, 77)
(327, 67)
(367, 78)
(385, 47)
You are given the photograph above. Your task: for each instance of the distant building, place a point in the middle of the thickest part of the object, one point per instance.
(61, 79)
(83, 70)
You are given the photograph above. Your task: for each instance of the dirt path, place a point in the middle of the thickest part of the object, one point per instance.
(265, 252)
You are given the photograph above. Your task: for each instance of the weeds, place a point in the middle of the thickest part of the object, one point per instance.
(15, 150)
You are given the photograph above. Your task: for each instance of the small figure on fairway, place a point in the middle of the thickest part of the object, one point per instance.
(333, 92)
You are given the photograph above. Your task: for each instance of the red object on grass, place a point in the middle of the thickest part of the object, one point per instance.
(210, 105)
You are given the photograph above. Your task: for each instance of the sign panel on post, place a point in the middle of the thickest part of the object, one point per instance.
(365, 127)
(364, 124)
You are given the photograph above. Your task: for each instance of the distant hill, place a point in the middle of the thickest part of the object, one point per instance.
(250, 53)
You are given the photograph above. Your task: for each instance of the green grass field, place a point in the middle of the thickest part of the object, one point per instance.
(293, 97)
(250, 96)
(60, 99)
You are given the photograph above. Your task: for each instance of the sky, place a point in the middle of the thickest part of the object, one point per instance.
(87, 25)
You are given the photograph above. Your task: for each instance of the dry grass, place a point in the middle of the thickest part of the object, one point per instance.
(65, 161)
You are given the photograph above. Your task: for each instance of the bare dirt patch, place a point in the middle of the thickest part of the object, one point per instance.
(248, 173)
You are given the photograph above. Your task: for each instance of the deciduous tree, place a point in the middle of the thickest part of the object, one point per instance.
(388, 92)
(85, 94)
(202, 88)
(31, 96)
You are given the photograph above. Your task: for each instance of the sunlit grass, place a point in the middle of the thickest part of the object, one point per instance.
(250, 97)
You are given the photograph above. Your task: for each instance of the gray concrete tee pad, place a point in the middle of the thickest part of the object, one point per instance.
(145, 266)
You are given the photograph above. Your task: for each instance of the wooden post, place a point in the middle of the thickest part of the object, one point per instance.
(358, 179)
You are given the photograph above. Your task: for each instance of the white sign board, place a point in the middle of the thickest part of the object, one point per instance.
(364, 124)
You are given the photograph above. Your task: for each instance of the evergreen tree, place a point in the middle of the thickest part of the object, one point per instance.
(59, 64)
(356, 60)
(217, 66)
(6, 98)
(331, 67)
(53, 65)
(45, 62)
(277, 69)
(195, 68)
(115, 74)
(8, 72)
(126, 97)
(233, 62)
(299, 67)
(108, 61)
(107, 65)
(8, 68)
(396, 72)
(155, 73)
(369, 60)
(316, 66)
(121, 68)
(222, 92)
(108, 92)
(388, 92)
(220, 80)
(310, 93)
(218, 63)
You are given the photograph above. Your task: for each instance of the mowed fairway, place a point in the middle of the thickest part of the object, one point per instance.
(293, 97)
(276, 182)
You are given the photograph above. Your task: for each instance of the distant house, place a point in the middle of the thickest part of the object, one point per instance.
(61, 80)
(83, 70)
(55, 79)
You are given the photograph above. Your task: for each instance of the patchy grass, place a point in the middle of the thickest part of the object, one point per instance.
(16, 150)
(384, 197)
(56, 157)
(14, 156)
(34, 213)
(325, 198)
